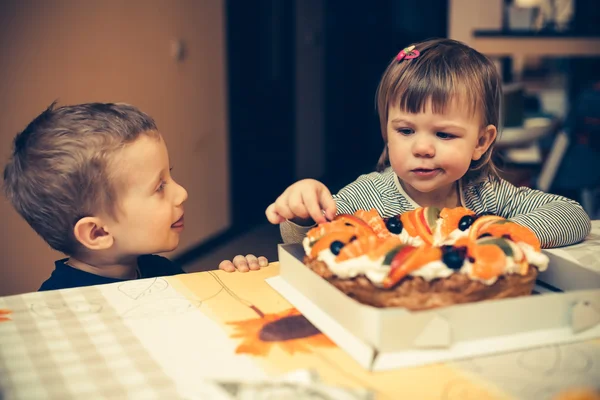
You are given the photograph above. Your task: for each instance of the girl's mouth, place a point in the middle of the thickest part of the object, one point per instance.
(425, 173)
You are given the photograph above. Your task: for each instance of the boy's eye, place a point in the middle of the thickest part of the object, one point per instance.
(444, 135)
(161, 187)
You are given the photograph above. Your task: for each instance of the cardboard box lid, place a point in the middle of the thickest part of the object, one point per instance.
(578, 265)
(391, 338)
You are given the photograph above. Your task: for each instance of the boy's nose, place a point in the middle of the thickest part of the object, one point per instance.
(182, 195)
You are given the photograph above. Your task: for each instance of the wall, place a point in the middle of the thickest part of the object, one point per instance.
(309, 88)
(77, 51)
(467, 15)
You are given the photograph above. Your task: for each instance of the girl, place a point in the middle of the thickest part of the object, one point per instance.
(438, 103)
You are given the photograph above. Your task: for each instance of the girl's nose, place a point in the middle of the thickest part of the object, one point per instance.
(423, 147)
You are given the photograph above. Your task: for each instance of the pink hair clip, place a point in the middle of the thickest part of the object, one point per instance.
(408, 53)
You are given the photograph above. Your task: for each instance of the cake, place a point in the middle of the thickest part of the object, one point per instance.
(425, 258)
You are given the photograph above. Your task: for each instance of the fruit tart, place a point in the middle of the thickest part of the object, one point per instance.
(425, 258)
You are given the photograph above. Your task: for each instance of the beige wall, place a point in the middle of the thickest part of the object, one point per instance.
(468, 15)
(80, 51)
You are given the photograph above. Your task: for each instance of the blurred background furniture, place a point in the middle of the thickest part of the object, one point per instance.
(572, 166)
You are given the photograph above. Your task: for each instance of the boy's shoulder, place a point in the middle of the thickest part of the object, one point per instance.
(152, 266)
(65, 276)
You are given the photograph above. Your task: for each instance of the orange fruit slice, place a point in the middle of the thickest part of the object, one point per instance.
(385, 247)
(361, 246)
(365, 215)
(480, 223)
(336, 226)
(325, 241)
(355, 222)
(515, 232)
(374, 220)
(409, 223)
(463, 242)
(322, 230)
(490, 261)
(409, 259)
(451, 217)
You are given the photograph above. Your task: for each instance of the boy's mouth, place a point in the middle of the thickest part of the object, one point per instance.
(178, 223)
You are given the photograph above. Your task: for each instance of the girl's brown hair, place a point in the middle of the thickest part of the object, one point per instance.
(445, 70)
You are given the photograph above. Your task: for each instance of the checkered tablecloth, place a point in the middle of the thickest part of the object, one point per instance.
(134, 340)
(74, 344)
(178, 338)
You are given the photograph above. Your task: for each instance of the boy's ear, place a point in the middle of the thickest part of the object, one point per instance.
(485, 140)
(91, 234)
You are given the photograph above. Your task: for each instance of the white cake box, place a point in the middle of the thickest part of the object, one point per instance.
(388, 338)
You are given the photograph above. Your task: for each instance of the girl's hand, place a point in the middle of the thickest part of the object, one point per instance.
(303, 203)
(244, 264)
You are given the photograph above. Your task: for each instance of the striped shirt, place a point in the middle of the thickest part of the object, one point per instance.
(556, 220)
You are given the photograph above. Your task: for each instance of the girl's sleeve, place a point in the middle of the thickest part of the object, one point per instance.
(556, 220)
(293, 233)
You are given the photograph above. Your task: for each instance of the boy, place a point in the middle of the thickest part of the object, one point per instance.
(93, 180)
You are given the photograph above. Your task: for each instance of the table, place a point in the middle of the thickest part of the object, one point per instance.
(201, 336)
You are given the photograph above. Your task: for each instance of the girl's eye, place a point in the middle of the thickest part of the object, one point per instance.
(161, 187)
(444, 135)
(405, 131)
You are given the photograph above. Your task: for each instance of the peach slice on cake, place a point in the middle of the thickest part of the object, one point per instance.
(359, 247)
(345, 223)
(482, 222)
(351, 220)
(490, 261)
(510, 249)
(453, 218)
(327, 241)
(374, 221)
(323, 229)
(421, 222)
(515, 232)
(409, 259)
(385, 247)
(409, 223)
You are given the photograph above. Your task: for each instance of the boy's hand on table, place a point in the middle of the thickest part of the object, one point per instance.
(244, 264)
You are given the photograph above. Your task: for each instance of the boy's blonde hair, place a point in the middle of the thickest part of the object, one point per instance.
(59, 169)
(445, 70)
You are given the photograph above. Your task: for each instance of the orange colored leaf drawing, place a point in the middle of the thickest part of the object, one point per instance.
(5, 315)
(288, 330)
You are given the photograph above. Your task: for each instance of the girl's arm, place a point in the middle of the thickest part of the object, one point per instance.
(556, 220)
(366, 192)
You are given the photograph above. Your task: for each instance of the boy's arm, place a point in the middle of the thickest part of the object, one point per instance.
(556, 220)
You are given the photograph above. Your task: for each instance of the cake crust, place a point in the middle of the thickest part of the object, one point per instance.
(415, 293)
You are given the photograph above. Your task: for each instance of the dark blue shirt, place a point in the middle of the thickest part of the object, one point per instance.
(65, 276)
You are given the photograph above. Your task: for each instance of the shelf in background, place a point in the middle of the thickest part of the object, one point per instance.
(538, 45)
(527, 33)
